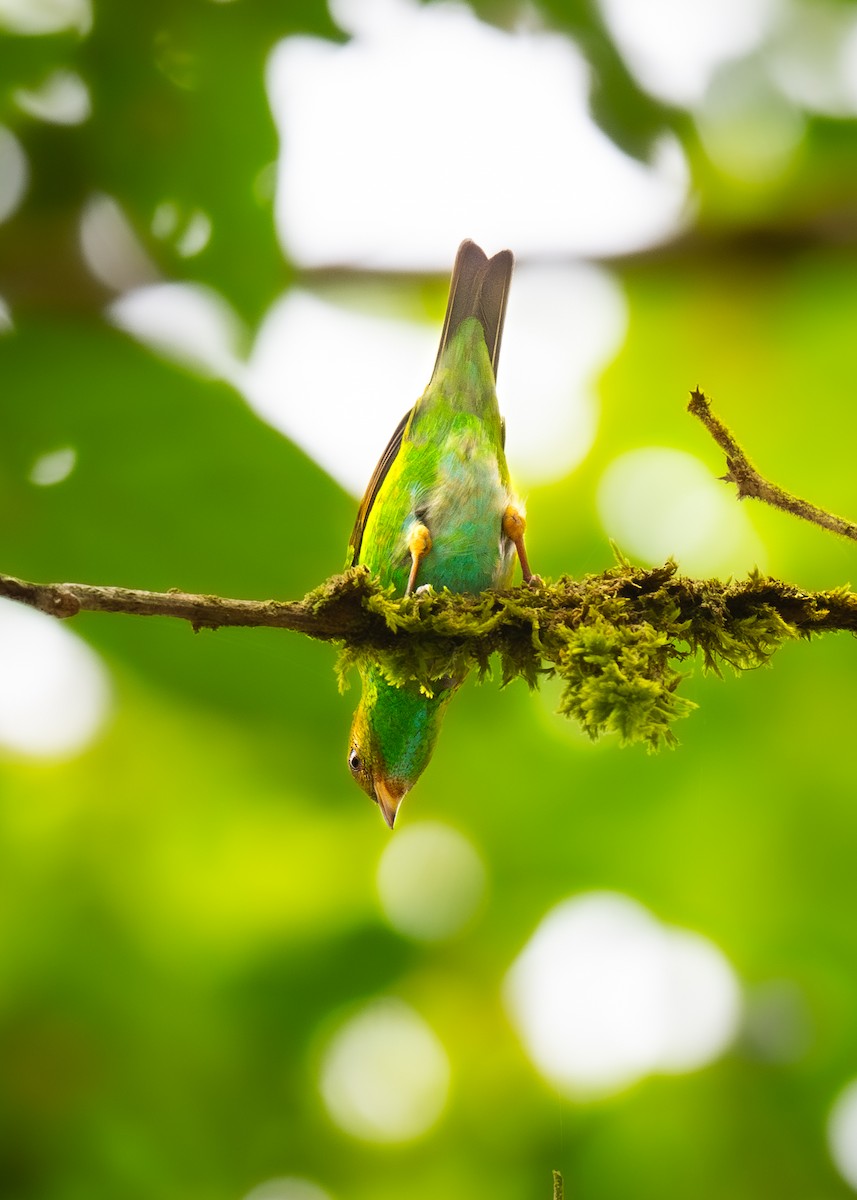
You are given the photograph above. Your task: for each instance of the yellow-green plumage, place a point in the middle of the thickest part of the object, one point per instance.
(444, 470)
(450, 472)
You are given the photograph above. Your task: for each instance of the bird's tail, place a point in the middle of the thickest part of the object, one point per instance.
(479, 288)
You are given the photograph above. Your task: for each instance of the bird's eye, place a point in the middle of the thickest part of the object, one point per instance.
(354, 762)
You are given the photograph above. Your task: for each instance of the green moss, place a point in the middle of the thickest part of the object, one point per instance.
(618, 678)
(616, 640)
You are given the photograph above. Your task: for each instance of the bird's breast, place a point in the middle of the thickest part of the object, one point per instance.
(463, 511)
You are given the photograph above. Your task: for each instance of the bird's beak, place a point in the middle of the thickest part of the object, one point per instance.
(389, 794)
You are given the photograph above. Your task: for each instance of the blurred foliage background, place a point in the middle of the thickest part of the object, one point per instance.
(195, 901)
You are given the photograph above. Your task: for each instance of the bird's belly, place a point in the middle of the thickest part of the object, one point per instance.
(458, 488)
(464, 515)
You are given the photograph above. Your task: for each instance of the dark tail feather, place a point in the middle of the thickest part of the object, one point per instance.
(479, 288)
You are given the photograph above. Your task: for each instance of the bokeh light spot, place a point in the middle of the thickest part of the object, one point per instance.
(188, 322)
(45, 16)
(813, 57)
(111, 248)
(55, 692)
(674, 48)
(165, 219)
(287, 1188)
(777, 1023)
(842, 1133)
(54, 467)
(317, 367)
(14, 173)
(848, 68)
(656, 502)
(175, 60)
(6, 322)
(750, 131)
(317, 364)
(63, 99)
(192, 238)
(196, 235)
(385, 1074)
(341, 136)
(702, 1002)
(564, 325)
(603, 994)
(265, 184)
(430, 881)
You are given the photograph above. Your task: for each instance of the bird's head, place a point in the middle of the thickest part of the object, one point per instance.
(392, 738)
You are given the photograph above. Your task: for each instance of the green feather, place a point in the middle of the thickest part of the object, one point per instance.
(444, 468)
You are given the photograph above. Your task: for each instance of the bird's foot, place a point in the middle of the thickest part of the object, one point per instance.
(419, 544)
(514, 526)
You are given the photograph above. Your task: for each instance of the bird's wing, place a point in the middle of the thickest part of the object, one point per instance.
(378, 476)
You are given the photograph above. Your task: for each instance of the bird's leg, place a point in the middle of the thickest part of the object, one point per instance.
(419, 544)
(514, 525)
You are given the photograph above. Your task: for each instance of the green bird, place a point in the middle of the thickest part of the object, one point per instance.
(439, 511)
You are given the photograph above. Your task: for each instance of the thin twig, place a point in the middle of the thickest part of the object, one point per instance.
(749, 482)
(557, 1186)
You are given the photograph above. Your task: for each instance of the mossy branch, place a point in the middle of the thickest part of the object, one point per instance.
(617, 640)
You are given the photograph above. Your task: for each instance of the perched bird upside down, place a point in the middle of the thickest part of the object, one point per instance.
(439, 511)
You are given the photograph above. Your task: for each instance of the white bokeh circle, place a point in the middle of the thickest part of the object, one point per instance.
(385, 1075)
(604, 994)
(430, 881)
(56, 692)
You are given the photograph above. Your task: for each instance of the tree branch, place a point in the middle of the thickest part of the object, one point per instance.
(331, 612)
(750, 483)
(350, 608)
(616, 639)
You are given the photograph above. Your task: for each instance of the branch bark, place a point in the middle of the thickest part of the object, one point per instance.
(617, 640)
(333, 611)
(350, 608)
(749, 482)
